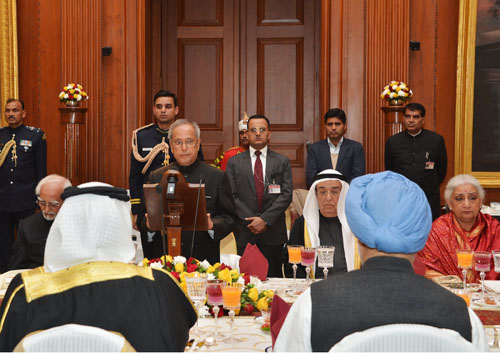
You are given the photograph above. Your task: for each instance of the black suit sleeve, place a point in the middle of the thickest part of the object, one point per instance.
(442, 162)
(312, 166)
(19, 258)
(223, 221)
(387, 156)
(358, 166)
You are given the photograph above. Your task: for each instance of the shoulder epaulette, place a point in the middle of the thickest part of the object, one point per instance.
(144, 127)
(32, 128)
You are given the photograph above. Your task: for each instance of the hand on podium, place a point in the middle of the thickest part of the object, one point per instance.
(210, 222)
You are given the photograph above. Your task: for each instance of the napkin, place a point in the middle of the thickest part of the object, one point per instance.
(252, 262)
(232, 260)
(278, 314)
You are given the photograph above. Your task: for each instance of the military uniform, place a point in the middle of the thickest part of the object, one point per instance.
(221, 162)
(23, 151)
(148, 140)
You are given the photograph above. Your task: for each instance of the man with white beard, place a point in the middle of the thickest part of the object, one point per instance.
(29, 247)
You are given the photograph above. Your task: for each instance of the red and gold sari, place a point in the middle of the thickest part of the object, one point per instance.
(446, 236)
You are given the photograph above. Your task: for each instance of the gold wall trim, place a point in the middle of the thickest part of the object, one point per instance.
(464, 108)
(8, 54)
(39, 283)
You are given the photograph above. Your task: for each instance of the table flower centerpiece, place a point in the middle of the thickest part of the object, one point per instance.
(72, 94)
(396, 93)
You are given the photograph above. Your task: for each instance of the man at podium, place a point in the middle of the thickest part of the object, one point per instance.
(184, 137)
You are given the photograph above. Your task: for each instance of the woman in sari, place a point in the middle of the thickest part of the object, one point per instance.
(464, 227)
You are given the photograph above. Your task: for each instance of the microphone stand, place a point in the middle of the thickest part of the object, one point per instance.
(162, 232)
(196, 216)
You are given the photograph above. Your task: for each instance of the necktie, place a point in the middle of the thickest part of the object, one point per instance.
(258, 179)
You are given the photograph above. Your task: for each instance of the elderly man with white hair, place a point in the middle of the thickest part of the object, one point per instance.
(391, 218)
(87, 279)
(324, 223)
(29, 247)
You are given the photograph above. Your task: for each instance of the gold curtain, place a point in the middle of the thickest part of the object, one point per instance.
(9, 87)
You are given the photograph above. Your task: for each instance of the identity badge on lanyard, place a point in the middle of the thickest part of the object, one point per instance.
(429, 165)
(274, 189)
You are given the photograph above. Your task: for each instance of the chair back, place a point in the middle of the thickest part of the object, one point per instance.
(74, 338)
(404, 338)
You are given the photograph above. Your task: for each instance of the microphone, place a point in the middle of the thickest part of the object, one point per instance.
(171, 182)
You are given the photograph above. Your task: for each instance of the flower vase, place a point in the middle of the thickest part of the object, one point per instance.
(72, 103)
(395, 102)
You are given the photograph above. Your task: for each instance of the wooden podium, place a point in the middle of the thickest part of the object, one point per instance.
(181, 205)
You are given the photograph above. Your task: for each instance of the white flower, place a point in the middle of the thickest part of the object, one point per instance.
(241, 280)
(157, 265)
(210, 276)
(401, 93)
(78, 97)
(203, 311)
(179, 259)
(256, 281)
(394, 87)
(66, 96)
(205, 265)
(392, 95)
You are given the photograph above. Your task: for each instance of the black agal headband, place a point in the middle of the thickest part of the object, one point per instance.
(329, 176)
(112, 192)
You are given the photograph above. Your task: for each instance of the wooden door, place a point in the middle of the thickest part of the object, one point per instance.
(227, 57)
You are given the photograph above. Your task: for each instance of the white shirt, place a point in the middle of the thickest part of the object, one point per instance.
(299, 316)
(335, 150)
(263, 157)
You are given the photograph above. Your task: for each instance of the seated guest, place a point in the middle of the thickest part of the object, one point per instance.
(324, 223)
(465, 227)
(32, 232)
(391, 218)
(185, 141)
(86, 279)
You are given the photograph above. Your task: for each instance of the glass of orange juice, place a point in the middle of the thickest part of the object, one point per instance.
(464, 294)
(464, 260)
(231, 297)
(294, 257)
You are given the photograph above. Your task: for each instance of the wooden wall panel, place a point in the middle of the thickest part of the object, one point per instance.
(200, 81)
(387, 58)
(280, 81)
(201, 13)
(272, 12)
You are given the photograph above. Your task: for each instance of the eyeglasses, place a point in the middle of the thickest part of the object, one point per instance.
(260, 130)
(188, 142)
(51, 204)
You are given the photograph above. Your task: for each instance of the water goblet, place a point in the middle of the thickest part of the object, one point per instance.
(482, 264)
(294, 257)
(197, 292)
(325, 258)
(231, 296)
(308, 257)
(464, 259)
(214, 298)
(496, 260)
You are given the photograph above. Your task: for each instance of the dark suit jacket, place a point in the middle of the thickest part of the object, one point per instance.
(241, 183)
(350, 163)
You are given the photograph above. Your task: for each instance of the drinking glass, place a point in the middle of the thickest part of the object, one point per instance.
(231, 295)
(482, 261)
(294, 257)
(464, 258)
(197, 292)
(325, 258)
(214, 298)
(496, 260)
(308, 257)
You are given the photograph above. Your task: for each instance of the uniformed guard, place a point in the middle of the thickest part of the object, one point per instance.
(23, 162)
(221, 162)
(150, 146)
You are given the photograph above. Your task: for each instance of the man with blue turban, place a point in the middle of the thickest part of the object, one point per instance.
(391, 218)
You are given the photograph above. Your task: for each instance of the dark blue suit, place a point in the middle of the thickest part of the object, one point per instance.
(350, 163)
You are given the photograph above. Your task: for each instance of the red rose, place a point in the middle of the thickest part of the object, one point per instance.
(169, 265)
(70, 97)
(175, 274)
(246, 278)
(191, 268)
(248, 308)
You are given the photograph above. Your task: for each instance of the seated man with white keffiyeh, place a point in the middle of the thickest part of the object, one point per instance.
(324, 223)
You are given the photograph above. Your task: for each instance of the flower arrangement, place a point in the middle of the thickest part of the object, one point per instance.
(396, 91)
(73, 92)
(180, 267)
(252, 299)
